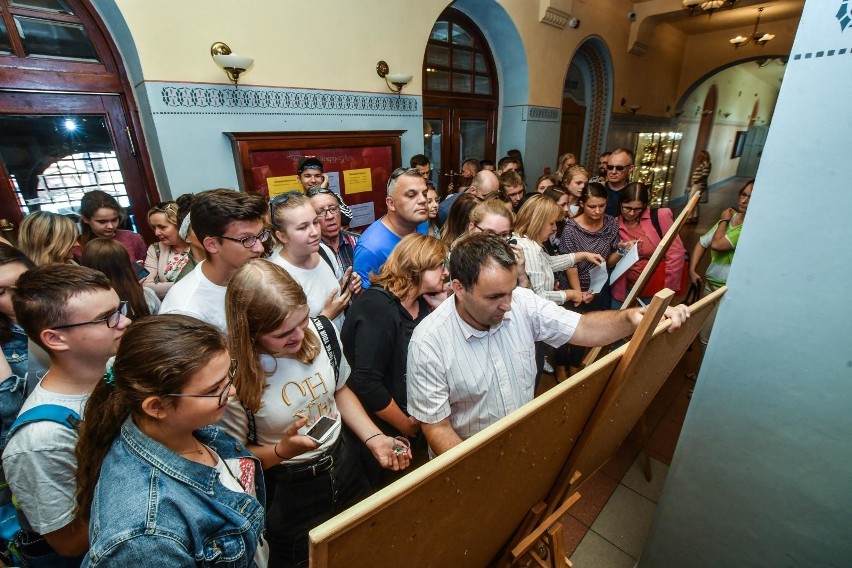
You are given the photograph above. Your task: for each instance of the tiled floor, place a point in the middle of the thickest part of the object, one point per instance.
(607, 528)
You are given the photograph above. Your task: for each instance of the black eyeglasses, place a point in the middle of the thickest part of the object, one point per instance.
(331, 209)
(505, 236)
(111, 320)
(402, 172)
(617, 168)
(631, 209)
(249, 242)
(222, 396)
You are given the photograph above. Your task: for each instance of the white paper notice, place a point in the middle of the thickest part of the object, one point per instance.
(628, 260)
(334, 181)
(597, 277)
(362, 214)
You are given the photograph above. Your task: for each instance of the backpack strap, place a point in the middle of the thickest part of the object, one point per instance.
(45, 412)
(252, 426)
(324, 254)
(330, 342)
(655, 219)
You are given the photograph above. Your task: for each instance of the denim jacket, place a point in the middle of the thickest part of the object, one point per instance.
(150, 503)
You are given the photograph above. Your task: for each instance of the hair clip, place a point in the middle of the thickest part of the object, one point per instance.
(109, 376)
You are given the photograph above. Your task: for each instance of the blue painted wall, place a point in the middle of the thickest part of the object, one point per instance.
(762, 475)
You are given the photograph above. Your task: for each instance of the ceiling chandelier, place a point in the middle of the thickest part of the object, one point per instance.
(757, 37)
(708, 6)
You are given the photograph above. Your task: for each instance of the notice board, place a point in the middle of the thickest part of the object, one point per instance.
(358, 165)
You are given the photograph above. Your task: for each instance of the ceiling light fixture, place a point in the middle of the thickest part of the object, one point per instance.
(757, 37)
(707, 6)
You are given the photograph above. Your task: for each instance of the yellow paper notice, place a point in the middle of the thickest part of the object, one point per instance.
(283, 184)
(357, 181)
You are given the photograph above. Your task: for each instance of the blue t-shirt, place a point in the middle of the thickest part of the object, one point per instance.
(374, 248)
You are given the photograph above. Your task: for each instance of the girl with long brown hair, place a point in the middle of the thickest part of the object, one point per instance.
(108, 256)
(292, 377)
(155, 479)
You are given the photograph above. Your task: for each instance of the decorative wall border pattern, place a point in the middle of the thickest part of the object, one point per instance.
(596, 62)
(540, 114)
(822, 53)
(229, 98)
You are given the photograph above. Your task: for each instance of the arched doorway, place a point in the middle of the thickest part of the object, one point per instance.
(460, 97)
(67, 119)
(593, 74)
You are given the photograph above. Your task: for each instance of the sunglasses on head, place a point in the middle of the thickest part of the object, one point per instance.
(281, 199)
(400, 172)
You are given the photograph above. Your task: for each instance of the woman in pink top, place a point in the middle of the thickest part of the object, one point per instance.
(100, 216)
(636, 224)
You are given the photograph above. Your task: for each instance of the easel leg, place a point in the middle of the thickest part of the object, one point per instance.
(646, 455)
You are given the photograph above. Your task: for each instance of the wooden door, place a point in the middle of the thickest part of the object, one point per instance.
(571, 128)
(54, 147)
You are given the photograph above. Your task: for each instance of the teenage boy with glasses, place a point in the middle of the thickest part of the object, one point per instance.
(232, 228)
(73, 313)
(619, 166)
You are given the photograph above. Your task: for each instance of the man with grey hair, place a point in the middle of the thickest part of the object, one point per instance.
(406, 202)
(472, 360)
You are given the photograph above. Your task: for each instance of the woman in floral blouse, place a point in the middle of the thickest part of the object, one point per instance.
(167, 257)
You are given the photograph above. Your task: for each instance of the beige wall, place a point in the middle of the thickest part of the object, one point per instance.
(324, 44)
(706, 52)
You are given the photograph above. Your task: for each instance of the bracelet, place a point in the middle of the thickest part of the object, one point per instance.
(275, 450)
(724, 220)
(373, 436)
(622, 251)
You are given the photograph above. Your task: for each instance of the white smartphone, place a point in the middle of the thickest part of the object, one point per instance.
(322, 429)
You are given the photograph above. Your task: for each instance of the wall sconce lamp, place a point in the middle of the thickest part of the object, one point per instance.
(234, 65)
(395, 81)
(629, 108)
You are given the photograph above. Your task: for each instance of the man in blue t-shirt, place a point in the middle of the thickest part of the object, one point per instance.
(406, 201)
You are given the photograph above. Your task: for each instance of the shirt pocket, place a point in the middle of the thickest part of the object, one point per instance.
(524, 366)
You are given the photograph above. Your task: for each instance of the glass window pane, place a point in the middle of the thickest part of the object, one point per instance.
(482, 86)
(438, 80)
(472, 136)
(462, 59)
(43, 38)
(438, 55)
(461, 37)
(461, 83)
(46, 5)
(440, 31)
(432, 130)
(5, 46)
(480, 64)
(69, 155)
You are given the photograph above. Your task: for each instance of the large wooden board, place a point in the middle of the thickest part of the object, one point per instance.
(462, 507)
(633, 386)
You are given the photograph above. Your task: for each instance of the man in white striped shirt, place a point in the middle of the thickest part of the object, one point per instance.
(472, 361)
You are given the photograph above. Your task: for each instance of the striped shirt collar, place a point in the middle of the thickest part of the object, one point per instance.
(469, 331)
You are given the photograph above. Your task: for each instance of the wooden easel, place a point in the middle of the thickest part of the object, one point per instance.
(463, 507)
(547, 535)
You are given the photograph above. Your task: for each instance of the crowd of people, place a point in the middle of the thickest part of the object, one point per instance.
(210, 398)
